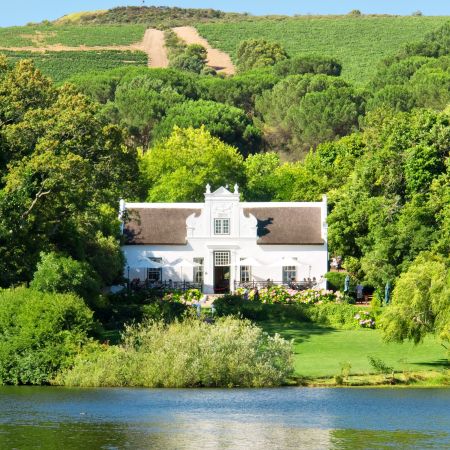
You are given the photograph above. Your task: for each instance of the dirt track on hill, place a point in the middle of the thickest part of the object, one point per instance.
(217, 59)
(154, 45)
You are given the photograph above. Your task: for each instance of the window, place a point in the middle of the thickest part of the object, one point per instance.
(221, 259)
(154, 274)
(289, 274)
(245, 274)
(221, 226)
(198, 276)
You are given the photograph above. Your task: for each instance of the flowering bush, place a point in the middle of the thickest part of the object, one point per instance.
(365, 319)
(281, 294)
(179, 296)
(313, 296)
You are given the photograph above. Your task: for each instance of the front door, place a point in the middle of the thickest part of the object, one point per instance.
(221, 280)
(222, 272)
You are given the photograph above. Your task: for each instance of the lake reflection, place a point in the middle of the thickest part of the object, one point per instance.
(53, 418)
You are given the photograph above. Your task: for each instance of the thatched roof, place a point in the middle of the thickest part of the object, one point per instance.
(157, 226)
(276, 225)
(288, 225)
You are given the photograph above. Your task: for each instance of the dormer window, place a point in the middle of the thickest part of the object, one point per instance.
(221, 226)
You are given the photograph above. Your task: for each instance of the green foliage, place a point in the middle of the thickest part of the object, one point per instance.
(302, 111)
(358, 43)
(142, 102)
(260, 176)
(177, 169)
(337, 315)
(229, 124)
(62, 274)
(382, 216)
(255, 53)
(191, 353)
(114, 311)
(420, 301)
(60, 66)
(434, 44)
(66, 168)
(193, 59)
(40, 334)
(239, 90)
(315, 64)
(336, 280)
(379, 365)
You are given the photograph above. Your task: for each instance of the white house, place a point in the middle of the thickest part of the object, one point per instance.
(224, 242)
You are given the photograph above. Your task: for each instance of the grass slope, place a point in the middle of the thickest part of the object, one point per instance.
(71, 35)
(320, 350)
(358, 42)
(63, 65)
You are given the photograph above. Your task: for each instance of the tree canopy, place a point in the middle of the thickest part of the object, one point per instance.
(178, 168)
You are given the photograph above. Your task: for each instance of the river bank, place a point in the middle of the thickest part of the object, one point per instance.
(418, 379)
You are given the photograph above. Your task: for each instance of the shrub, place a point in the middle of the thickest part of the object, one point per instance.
(337, 315)
(336, 280)
(58, 273)
(116, 310)
(191, 353)
(40, 333)
(333, 315)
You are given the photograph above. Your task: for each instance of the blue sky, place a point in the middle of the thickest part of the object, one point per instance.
(20, 12)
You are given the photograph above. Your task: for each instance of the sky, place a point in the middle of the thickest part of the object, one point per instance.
(19, 12)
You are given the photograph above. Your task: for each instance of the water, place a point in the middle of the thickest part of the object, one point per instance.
(300, 418)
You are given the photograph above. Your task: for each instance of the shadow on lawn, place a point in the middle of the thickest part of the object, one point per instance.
(441, 363)
(299, 331)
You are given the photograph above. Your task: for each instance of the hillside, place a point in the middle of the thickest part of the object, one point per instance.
(358, 42)
(116, 37)
(152, 16)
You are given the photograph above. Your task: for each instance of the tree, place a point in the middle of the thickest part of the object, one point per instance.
(228, 123)
(142, 102)
(240, 90)
(254, 53)
(193, 59)
(260, 175)
(67, 168)
(383, 215)
(177, 169)
(62, 274)
(420, 301)
(304, 110)
(314, 64)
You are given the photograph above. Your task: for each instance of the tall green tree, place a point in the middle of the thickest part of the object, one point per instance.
(420, 301)
(177, 169)
(228, 123)
(67, 170)
(254, 53)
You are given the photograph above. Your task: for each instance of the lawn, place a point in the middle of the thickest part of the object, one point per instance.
(71, 35)
(358, 42)
(319, 351)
